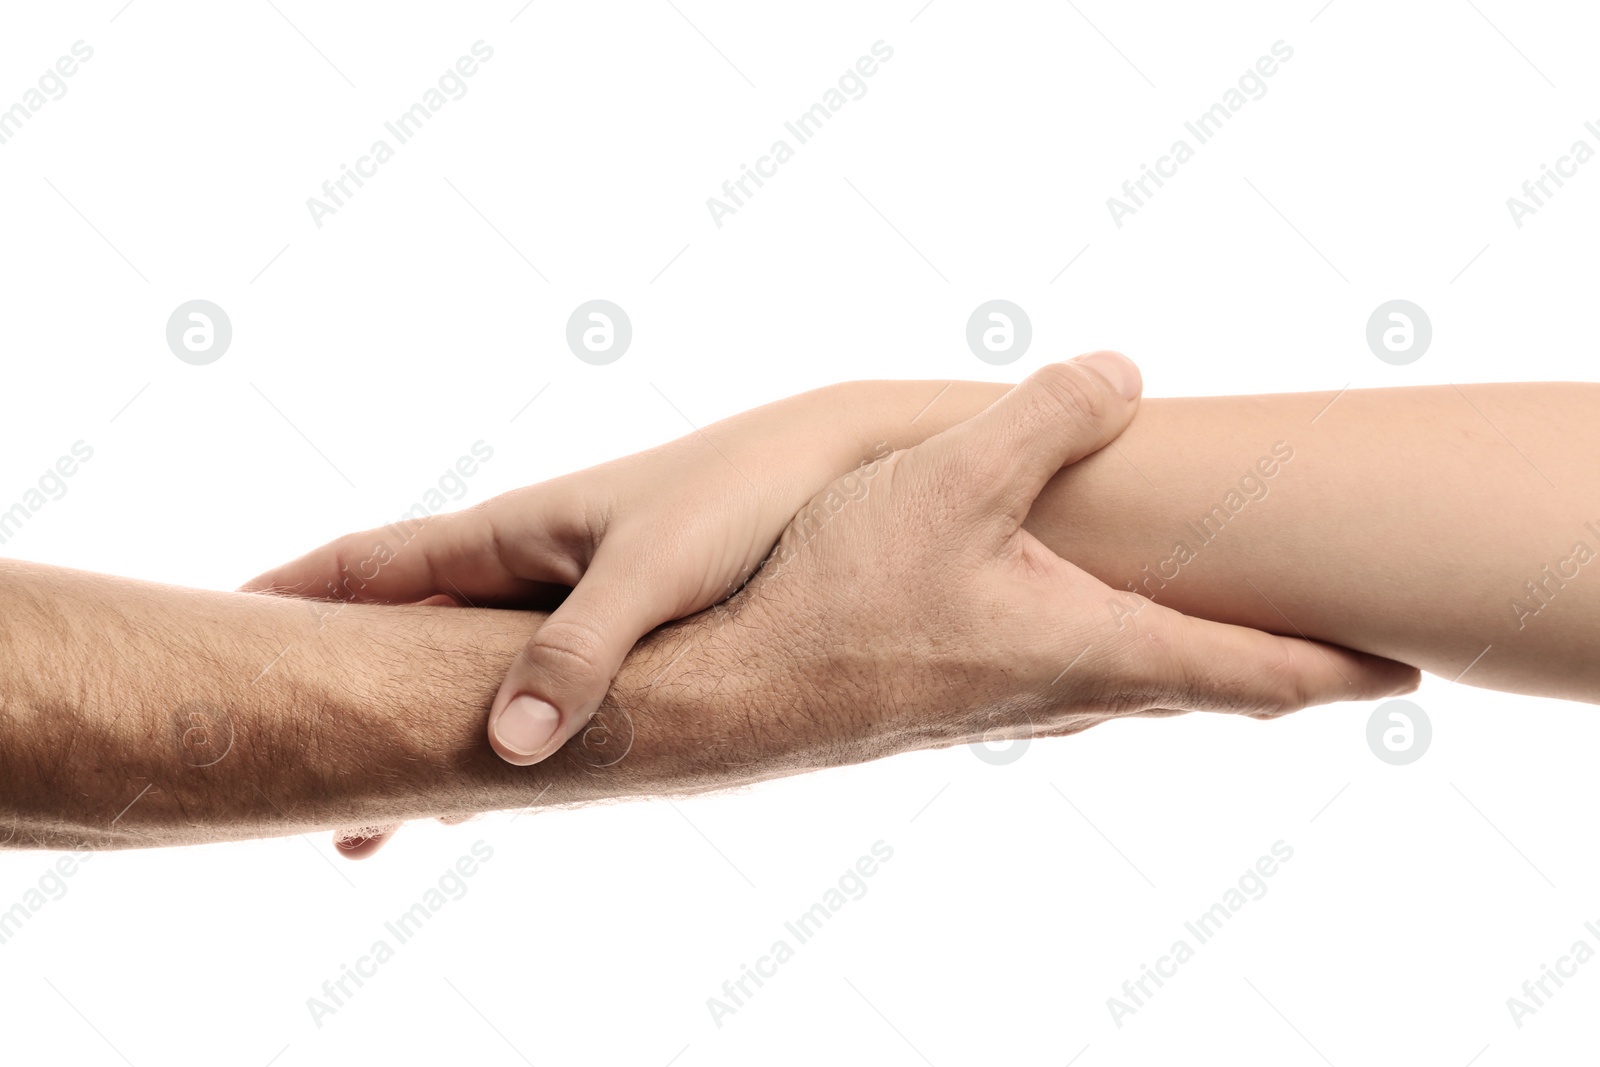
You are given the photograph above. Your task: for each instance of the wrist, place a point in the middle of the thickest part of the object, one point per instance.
(902, 414)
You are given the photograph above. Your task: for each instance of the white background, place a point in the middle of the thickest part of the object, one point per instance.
(370, 353)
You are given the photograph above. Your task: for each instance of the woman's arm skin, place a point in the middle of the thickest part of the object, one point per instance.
(1447, 527)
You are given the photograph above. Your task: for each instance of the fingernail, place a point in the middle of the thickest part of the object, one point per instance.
(1117, 369)
(527, 725)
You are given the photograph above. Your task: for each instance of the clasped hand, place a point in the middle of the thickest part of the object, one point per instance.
(900, 605)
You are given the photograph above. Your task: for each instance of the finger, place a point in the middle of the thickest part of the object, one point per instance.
(484, 555)
(1056, 416)
(1215, 666)
(559, 680)
(361, 842)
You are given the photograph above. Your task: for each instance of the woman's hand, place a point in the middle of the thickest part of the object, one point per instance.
(640, 541)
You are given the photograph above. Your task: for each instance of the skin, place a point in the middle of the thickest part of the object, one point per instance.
(920, 613)
(634, 556)
(1412, 498)
(197, 725)
(1407, 525)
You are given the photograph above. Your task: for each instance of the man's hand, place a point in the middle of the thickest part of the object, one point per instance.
(906, 607)
(909, 606)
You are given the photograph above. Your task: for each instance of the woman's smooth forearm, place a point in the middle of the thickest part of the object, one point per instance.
(1455, 528)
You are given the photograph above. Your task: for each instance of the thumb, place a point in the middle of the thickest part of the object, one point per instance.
(1054, 417)
(1216, 666)
(560, 678)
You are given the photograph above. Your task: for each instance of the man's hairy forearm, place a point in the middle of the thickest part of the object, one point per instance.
(139, 715)
(1441, 526)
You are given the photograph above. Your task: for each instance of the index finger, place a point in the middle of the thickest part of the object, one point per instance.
(462, 554)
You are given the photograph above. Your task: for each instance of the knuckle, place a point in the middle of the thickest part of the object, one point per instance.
(583, 509)
(359, 559)
(573, 648)
(1262, 686)
(1286, 686)
(339, 581)
(1066, 388)
(1268, 684)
